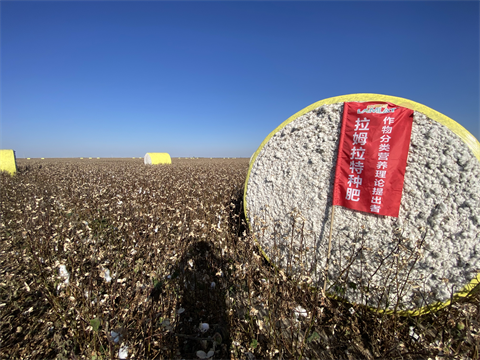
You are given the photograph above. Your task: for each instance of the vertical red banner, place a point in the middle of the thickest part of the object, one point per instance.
(372, 157)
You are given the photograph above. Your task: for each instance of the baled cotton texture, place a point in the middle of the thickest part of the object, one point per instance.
(407, 263)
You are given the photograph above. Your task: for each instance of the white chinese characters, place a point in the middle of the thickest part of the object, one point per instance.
(357, 157)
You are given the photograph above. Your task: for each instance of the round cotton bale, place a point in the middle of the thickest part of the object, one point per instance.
(8, 161)
(411, 264)
(157, 158)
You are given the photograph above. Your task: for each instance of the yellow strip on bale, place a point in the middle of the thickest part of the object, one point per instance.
(459, 130)
(157, 158)
(7, 161)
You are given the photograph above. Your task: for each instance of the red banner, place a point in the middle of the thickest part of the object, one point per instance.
(372, 157)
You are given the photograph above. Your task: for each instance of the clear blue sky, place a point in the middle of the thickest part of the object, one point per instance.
(118, 79)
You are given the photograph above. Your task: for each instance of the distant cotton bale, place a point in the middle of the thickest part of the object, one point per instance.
(8, 162)
(157, 158)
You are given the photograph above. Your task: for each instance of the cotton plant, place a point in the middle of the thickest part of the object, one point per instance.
(217, 339)
(204, 327)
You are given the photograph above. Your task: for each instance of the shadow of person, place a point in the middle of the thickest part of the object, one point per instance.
(203, 324)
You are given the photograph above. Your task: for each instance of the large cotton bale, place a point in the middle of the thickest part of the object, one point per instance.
(410, 264)
(157, 158)
(8, 162)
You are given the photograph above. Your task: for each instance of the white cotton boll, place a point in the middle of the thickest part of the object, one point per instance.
(203, 327)
(62, 269)
(123, 352)
(106, 275)
(300, 311)
(412, 333)
(108, 278)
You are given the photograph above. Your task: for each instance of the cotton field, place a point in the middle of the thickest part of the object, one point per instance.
(110, 258)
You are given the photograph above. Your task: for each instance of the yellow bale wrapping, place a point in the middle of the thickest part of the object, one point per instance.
(8, 162)
(157, 158)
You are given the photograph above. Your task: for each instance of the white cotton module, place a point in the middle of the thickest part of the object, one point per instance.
(407, 263)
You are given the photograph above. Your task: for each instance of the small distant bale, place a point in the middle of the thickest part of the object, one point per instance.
(8, 162)
(157, 158)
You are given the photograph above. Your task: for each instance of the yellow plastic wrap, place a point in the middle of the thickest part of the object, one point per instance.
(8, 162)
(157, 158)
(459, 130)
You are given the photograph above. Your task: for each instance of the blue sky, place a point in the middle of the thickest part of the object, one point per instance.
(208, 79)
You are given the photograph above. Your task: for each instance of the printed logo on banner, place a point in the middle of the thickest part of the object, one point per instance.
(372, 157)
(377, 108)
